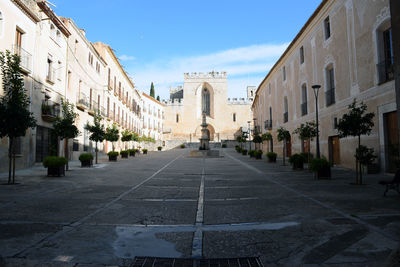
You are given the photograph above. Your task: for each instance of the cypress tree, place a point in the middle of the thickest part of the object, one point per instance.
(152, 92)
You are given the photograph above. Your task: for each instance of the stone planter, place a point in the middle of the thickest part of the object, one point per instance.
(56, 171)
(323, 173)
(132, 153)
(124, 155)
(272, 159)
(144, 152)
(258, 156)
(244, 152)
(87, 163)
(298, 166)
(112, 158)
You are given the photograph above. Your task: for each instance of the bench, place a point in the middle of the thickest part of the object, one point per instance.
(392, 184)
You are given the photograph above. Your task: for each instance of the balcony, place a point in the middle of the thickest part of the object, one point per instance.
(330, 97)
(51, 75)
(385, 70)
(26, 59)
(110, 87)
(93, 108)
(304, 110)
(50, 110)
(82, 101)
(285, 117)
(268, 124)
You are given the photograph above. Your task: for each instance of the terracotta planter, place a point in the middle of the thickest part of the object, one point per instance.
(56, 171)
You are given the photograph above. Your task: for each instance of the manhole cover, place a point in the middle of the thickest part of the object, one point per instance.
(176, 262)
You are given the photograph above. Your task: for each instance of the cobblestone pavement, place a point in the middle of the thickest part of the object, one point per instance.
(166, 204)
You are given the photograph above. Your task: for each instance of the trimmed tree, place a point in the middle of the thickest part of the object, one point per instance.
(307, 132)
(64, 127)
(267, 137)
(356, 122)
(15, 117)
(283, 136)
(112, 135)
(257, 139)
(126, 136)
(97, 132)
(152, 92)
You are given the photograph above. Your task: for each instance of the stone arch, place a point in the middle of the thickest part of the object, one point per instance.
(211, 132)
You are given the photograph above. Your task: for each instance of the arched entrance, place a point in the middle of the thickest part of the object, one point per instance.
(210, 132)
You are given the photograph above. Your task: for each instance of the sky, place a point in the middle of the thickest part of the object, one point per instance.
(158, 41)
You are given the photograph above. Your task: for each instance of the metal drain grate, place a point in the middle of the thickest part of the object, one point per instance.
(174, 262)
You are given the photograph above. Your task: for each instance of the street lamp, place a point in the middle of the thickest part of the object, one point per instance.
(248, 133)
(316, 88)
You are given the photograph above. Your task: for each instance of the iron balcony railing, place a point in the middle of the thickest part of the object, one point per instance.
(26, 58)
(385, 70)
(268, 124)
(304, 110)
(93, 107)
(50, 110)
(285, 117)
(82, 101)
(330, 97)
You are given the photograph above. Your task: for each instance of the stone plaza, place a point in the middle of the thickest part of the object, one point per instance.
(167, 204)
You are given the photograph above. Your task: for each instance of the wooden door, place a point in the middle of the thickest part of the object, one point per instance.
(391, 141)
(289, 148)
(334, 150)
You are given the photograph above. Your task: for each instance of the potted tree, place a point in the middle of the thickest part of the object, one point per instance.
(267, 137)
(159, 148)
(321, 168)
(144, 151)
(132, 152)
(86, 159)
(244, 152)
(297, 161)
(283, 136)
(258, 154)
(112, 135)
(64, 127)
(365, 156)
(271, 156)
(124, 154)
(307, 132)
(112, 155)
(97, 133)
(355, 123)
(15, 117)
(126, 137)
(55, 165)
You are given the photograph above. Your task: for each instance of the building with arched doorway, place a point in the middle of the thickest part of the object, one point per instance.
(205, 92)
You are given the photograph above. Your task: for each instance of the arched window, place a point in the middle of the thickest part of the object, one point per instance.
(206, 101)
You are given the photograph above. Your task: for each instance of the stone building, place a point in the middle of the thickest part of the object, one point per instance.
(345, 47)
(208, 92)
(152, 118)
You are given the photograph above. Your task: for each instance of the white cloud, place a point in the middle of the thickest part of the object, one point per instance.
(126, 58)
(244, 66)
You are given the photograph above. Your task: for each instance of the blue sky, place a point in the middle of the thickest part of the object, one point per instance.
(157, 41)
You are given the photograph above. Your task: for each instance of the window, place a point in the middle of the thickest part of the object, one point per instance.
(69, 80)
(90, 98)
(109, 78)
(234, 116)
(269, 88)
(76, 45)
(85, 140)
(301, 55)
(115, 84)
(304, 110)
(286, 113)
(385, 64)
(50, 69)
(177, 118)
(206, 101)
(284, 73)
(98, 103)
(330, 86)
(75, 145)
(327, 28)
(108, 106)
(18, 40)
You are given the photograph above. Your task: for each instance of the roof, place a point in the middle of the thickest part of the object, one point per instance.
(314, 14)
(53, 17)
(111, 51)
(153, 99)
(23, 5)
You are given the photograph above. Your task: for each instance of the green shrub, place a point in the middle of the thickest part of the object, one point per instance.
(85, 157)
(271, 156)
(144, 150)
(258, 154)
(251, 153)
(297, 161)
(244, 151)
(319, 164)
(305, 155)
(182, 146)
(113, 153)
(53, 161)
(237, 148)
(224, 146)
(159, 148)
(124, 152)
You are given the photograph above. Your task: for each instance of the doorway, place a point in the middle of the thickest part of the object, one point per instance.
(391, 141)
(46, 143)
(289, 147)
(334, 150)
